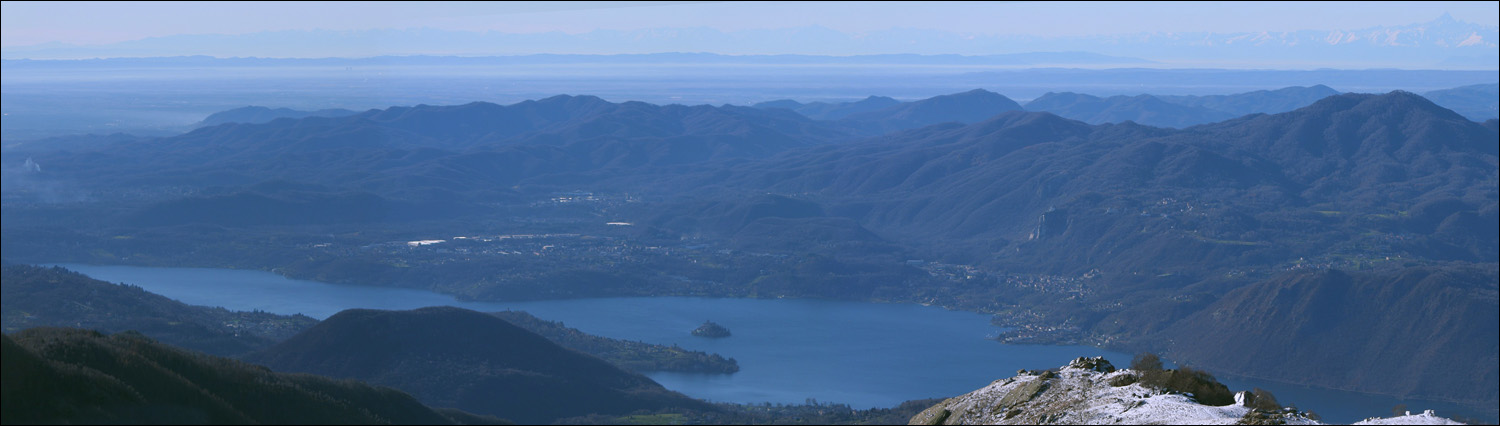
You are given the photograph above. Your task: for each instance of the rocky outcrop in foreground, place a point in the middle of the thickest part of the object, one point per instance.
(1092, 391)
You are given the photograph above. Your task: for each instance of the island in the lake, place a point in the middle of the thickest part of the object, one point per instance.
(711, 329)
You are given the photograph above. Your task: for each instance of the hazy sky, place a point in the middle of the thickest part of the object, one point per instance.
(31, 23)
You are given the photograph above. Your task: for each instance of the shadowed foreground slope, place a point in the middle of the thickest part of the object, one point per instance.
(60, 375)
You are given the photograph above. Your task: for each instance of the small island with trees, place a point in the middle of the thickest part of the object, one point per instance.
(711, 329)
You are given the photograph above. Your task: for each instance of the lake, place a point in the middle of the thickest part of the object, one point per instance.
(789, 350)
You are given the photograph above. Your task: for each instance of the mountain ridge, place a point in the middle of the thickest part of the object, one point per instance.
(259, 114)
(1144, 109)
(1132, 228)
(966, 107)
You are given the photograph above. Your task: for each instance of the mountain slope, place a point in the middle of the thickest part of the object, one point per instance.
(1153, 226)
(1370, 149)
(1398, 331)
(451, 357)
(56, 297)
(56, 375)
(1372, 154)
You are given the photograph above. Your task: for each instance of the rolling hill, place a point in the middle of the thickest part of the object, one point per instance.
(450, 357)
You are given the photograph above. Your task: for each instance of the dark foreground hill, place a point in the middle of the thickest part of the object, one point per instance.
(35, 296)
(58, 375)
(451, 357)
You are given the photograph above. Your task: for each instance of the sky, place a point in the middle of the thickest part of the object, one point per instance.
(94, 23)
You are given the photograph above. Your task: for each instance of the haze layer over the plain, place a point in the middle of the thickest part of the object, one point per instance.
(1305, 35)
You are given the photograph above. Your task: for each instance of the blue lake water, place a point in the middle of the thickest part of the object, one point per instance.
(789, 350)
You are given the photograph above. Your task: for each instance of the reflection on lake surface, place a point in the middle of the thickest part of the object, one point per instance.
(789, 350)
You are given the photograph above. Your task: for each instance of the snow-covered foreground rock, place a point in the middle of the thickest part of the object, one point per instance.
(1091, 391)
(1427, 418)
